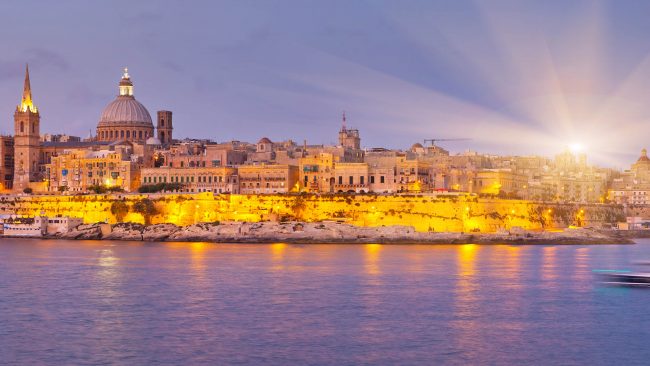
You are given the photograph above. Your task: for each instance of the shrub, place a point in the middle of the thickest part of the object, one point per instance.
(158, 187)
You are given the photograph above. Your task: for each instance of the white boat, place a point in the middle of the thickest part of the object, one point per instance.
(626, 279)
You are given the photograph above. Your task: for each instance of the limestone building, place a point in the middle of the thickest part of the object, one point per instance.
(26, 139)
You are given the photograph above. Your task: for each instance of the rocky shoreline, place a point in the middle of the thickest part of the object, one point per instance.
(329, 232)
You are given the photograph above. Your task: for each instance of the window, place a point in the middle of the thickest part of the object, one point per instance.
(22, 126)
(372, 179)
(381, 179)
(140, 135)
(340, 179)
(128, 134)
(122, 134)
(351, 180)
(362, 179)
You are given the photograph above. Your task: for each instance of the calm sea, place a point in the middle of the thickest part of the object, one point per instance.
(76, 302)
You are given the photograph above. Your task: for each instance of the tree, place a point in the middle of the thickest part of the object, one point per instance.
(119, 209)
(158, 187)
(98, 189)
(146, 208)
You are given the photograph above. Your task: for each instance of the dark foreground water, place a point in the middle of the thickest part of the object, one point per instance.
(73, 302)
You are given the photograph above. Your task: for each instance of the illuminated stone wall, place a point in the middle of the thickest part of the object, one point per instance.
(441, 213)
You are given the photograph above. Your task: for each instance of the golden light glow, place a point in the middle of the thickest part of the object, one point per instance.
(576, 147)
(26, 105)
(464, 214)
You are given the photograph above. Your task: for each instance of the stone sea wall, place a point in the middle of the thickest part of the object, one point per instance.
(422, 212)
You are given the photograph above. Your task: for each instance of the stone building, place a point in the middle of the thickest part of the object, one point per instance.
(6, 162)
(317, 173)
(633, 186)
(268, 179)
(190, 153)
(165, 127)
(78, 169)
(218, 179)
(26, 140)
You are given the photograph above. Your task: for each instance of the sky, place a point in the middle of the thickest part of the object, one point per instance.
(509, 77)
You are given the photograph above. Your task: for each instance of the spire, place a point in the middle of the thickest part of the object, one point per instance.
(26, 103)
(27, 89)
(343, 128)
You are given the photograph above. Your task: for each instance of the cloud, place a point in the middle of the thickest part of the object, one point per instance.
(45, 58)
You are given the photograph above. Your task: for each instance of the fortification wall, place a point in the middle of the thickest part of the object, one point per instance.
(424, 213)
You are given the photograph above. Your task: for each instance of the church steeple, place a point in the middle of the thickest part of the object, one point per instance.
(27, 122)
(26, 103)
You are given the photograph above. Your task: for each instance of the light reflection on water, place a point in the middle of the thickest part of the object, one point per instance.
(68, 302)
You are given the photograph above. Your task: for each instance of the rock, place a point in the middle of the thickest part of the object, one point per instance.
(196, 232)
(84, 232)
(159, 232)
(126, 231)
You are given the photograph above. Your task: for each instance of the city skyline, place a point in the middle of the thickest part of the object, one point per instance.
(518, 78)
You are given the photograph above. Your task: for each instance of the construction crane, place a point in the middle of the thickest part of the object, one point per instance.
(433, 141)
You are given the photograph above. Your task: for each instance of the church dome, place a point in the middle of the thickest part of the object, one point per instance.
(125, 110)
(125, 118)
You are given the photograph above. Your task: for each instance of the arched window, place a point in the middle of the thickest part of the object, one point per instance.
(162, 136)
(22, 126)
(162, 122)
(111, 133)
(33, 127)
(140, 135)
(128, 134)
(122, 134)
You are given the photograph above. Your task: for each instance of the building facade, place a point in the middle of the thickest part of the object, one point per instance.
(77, 170)
(268, 179)
(194, 180)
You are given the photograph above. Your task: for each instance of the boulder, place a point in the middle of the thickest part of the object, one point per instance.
(84, 232)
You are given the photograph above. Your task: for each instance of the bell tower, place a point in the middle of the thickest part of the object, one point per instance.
(164, 127)
(26, 139)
